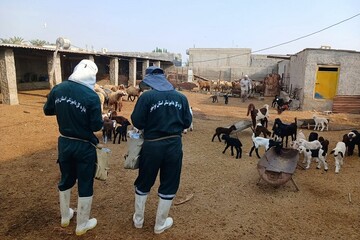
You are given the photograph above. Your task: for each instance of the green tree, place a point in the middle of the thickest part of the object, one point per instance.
(38, 42)
(160, 50)
(12, 40)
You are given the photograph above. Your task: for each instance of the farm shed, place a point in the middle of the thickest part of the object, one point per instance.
(29, 68)
(323, 76)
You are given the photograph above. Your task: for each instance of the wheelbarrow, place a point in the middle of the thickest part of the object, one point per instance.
(277, 169)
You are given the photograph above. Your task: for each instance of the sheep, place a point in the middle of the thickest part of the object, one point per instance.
(324, 144)
(339, 153)
(261, 129)
(102, 100)
(233, 143)
(119, 119)
(320, 121)
(284, 130)
(317, 153)
(354, 139)
(132, 92)
(115, 99)
(222, 130)
(122, 132)
(265, 142)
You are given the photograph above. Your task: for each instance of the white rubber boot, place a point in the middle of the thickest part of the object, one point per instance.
(83, 212)
(163, 222)
(138, 217)
(66, 212)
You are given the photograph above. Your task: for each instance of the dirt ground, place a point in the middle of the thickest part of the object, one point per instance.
(227, 203)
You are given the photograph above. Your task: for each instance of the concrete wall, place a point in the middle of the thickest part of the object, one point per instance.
(219, 57)
(230, 64)
(304, 67)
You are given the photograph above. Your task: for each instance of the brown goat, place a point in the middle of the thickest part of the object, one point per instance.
(261, 129)
(222, 130)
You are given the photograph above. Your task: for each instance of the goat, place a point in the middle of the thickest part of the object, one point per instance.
(258, 114)
(317, 153)
(295, 144)
(119, 119)
(214, 98)
(122, 132)
(349, 145)
(320, 121)
(265, 142)
(284, 130)
(354, 139)
(339, 153)
(261, 129)
(310, 145)
(313, 136)
(233, 143)
(222, 130)
(108, 129)
(277, 101)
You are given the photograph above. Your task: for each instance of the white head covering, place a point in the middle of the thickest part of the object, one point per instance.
(85, 73)
(246, 76)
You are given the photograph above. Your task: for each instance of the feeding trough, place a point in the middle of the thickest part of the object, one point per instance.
(241, 125)
(277, 169)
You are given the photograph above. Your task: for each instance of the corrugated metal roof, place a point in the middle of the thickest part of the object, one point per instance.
(107, 54)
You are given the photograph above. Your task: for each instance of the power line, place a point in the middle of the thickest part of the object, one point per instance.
(280, 44)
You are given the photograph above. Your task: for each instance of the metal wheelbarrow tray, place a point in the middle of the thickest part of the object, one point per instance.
(277, 169)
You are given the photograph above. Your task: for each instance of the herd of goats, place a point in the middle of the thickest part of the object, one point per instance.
(312, 147)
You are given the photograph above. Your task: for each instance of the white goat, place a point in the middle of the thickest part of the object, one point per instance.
(295, 144)
(310, 145)
(265, 142)
(321, 121)
(318, 154)
(339, 153)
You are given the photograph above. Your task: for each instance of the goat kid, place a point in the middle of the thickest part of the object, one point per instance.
(265, 142)
(261, 129)
(222, 130)
(339, 153)
(321, 122)
(353, 140)
(233, 143)
(319, 154)
(122, 132)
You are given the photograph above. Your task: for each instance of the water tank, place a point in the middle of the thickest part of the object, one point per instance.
(63, 43)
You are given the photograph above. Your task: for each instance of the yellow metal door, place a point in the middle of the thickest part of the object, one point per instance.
(326, 82)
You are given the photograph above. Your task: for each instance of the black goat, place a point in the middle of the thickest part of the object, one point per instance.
(222, 130)
(233, 143)
(121, 131)
(313, 136)
(277, 102)
(354, 139)
(284, 130)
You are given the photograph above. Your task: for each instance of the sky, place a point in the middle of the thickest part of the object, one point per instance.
(142, 26)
